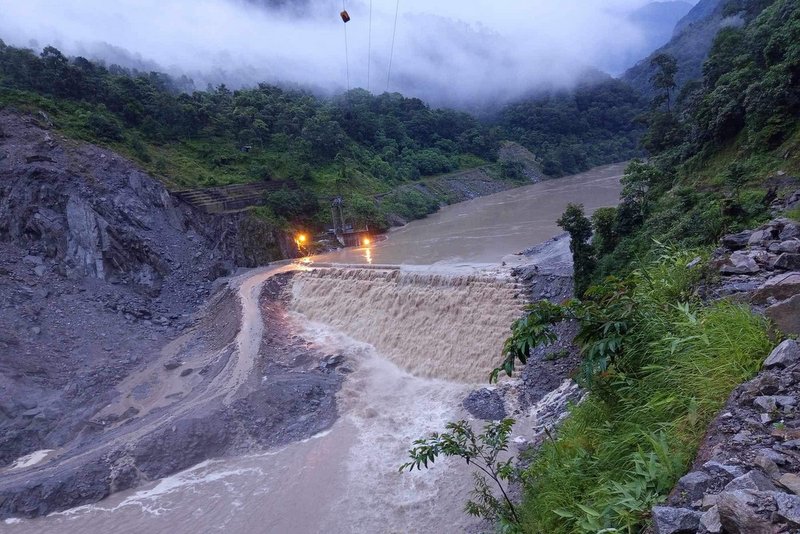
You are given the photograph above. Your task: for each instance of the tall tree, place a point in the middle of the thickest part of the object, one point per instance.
(663, 79)
(579, 227)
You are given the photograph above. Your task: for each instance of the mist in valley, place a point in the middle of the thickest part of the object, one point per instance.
(463, 54)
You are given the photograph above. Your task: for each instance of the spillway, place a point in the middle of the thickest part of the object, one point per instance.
(430, 324)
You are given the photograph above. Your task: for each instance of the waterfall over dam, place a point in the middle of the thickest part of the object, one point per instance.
(448, 326)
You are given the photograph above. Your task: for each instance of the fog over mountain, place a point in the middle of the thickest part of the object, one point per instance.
(447, 52)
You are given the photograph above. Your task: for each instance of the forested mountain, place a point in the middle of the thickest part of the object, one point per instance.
(573, 130)
(357, 144)
(656, 21)
(689, 44)
(723, 138)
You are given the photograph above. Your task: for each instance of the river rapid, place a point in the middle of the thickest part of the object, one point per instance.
(387, 326)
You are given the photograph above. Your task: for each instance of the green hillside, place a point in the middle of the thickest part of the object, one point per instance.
(356, 145)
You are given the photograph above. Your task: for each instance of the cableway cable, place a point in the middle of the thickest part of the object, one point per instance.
(369, 45)
(346, 53)
(391, 53)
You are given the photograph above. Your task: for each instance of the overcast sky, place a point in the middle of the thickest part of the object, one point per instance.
(446, 51)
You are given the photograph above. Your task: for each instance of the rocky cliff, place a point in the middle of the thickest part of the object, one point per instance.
(99, 266)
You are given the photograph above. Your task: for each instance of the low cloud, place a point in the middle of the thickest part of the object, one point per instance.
(446, 52)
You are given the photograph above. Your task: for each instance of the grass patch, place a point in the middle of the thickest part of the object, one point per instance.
(622, 450)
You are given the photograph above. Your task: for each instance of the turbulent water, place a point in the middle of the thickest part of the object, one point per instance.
(423, 322)
(417, 341)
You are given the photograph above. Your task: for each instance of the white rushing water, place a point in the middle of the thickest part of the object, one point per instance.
(418, 342)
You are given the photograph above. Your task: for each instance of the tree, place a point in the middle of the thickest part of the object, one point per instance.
(580, 231)
(604, 222)
(663, 79)
(482, 451)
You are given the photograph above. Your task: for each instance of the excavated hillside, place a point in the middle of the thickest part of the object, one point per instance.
(99, 267)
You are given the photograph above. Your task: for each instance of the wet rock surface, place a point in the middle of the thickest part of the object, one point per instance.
(549, 277)
(486, 404)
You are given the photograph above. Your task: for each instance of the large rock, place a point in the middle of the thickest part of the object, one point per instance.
(724, 471)
(485, 404)
(786, 315)
(739, 512)
(710, 521)
(788, 262)
(740, 263)
(791, 482)
(752, 480)
(792, 246)
(790, 231)
(788, 507)
(693, 485)
(784, 355)
(737, 241)
(779, 287)
(793, 200)
(761, 237)
(669, 520)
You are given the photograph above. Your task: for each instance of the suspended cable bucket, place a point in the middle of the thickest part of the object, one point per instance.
(346, 18)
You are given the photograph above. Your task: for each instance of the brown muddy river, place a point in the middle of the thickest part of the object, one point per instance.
(485, 229)
(345, 480)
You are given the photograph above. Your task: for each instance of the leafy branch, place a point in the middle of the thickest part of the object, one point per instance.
(479, 450)
(531, 331)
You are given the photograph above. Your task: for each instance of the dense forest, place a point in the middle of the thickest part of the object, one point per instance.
(717, 145)
(356, 145)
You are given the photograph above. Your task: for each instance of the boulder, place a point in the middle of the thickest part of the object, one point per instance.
(768, 466)
(752, 480)
(692, 486)
(738, 512)
(485, 404)
(792, 246)
(792, 200)
(790, 231)
(765, 403)
(710, 521)
(788, 262)
(786, 315)
(784, 355)
(760, 237)
(725, 471)
(740, 263)
(737, 241)
(779, 287)
(788, 507)
(791, 482)
(669, 520)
